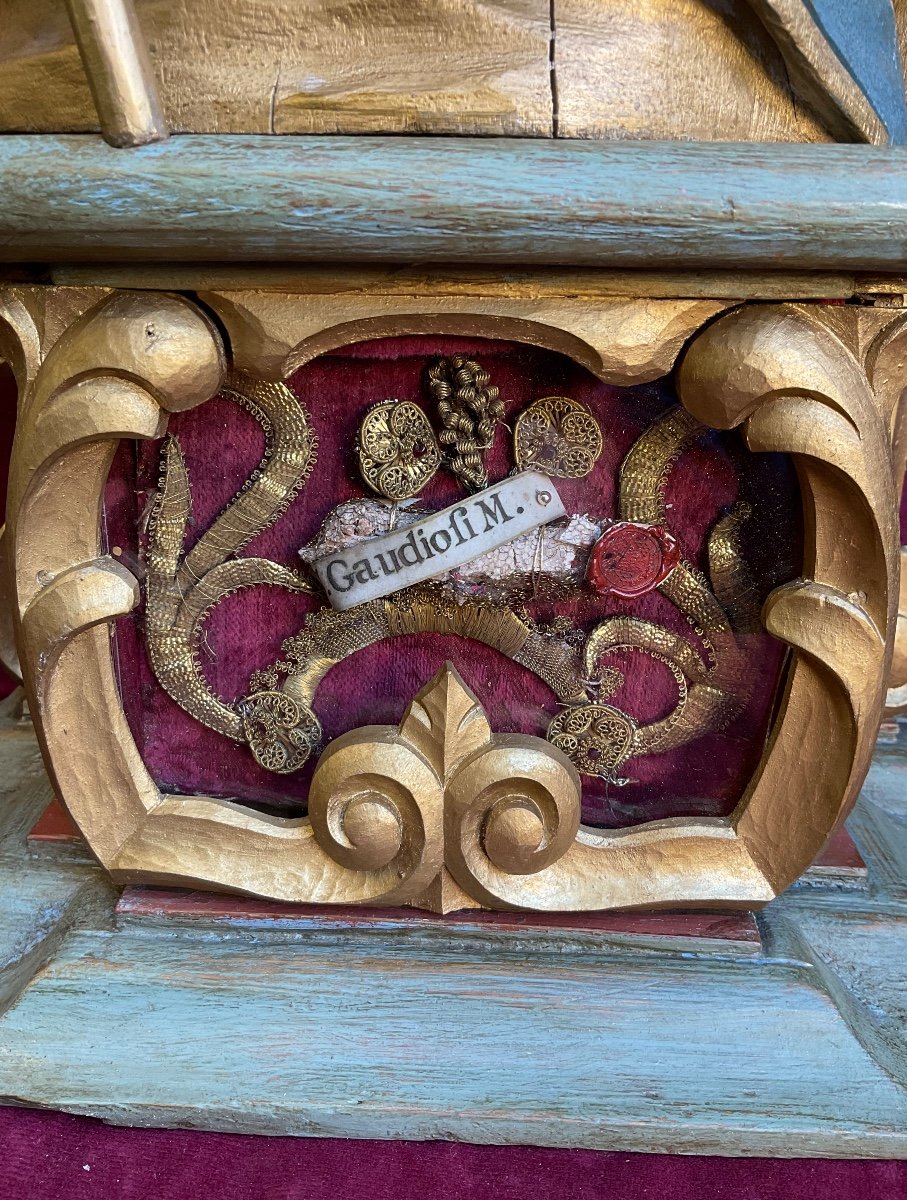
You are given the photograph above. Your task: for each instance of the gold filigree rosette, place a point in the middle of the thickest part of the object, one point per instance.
(397, 448)
(559, 436)
(281, 734)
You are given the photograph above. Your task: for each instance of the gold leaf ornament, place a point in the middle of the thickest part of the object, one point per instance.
(397, 448)
(510, 802)
(559, 436)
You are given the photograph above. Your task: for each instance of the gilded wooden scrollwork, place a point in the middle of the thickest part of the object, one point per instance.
(886, 363)
(393, 810)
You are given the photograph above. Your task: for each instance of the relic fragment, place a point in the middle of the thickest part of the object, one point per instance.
(444, 540)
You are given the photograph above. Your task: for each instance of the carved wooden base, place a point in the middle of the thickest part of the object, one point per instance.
(839, 861)
(494, 1028)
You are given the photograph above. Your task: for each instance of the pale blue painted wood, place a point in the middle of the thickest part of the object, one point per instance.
(39, 901)
(458, 1032)
(864, 36)
(411, 931)
(879, 824)
(24, 787)
(480, 200)
(37, 905)
(858, 951)
(270, 1036)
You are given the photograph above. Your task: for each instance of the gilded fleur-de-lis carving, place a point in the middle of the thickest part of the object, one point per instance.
(445, 722)
(472, 801)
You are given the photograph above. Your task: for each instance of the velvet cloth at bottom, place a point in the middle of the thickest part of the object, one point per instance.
(53, 1156)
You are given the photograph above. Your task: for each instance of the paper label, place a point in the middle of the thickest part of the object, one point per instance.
(447, 539)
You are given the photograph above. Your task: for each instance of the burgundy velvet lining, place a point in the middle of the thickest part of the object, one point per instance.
(54, 1156)
(223, 445)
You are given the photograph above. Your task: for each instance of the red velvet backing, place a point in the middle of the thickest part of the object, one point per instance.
(54, 1156)
(223, 445)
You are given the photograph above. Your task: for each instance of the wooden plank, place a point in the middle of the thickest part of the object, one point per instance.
(38, 907)
(447, 280)
(859, 957)
(662, 69)
(879, 823)
(275, 1037)
(70, 198)
(728, 934)
(658, 69)
(25, 790)
(316, 66)
(409, 1026)
(38, 902)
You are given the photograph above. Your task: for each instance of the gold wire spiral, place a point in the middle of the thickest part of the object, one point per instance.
(470, 408)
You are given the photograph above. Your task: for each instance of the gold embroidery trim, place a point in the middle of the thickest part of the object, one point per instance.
(277, 720)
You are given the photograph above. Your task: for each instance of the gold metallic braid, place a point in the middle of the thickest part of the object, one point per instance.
(173, 656)
(277, 719)
(711, 691)
(732, 580)
(181, 591)
(428, 613)
(330, 636)
(699, 704)
(291, 449)
(643, 477)
(555, 664)
(635, 633)
(470, 409)
(169, 518)
(642, 489)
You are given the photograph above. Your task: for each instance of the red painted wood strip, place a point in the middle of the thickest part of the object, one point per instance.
(55, 825)
(841, 851)
(165, 903)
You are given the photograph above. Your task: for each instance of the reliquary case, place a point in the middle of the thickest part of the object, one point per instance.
(665, 694)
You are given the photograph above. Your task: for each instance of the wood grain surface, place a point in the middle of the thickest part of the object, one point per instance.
(483, 200)
(725, 70)
(533, 1036)
(457, 1040)
(653, 69)
(311, 66)
(446, 280)
(38, 905)
(823, 69)
(732, 934)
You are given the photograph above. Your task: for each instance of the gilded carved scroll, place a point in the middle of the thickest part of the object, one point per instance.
(393, 811)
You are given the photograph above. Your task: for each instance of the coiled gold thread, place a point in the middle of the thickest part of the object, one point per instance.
(470, 409)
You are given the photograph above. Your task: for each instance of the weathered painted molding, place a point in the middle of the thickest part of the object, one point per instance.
(71, 198)
(420, 1028)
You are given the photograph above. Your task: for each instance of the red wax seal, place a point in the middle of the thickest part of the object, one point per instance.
(629, 560)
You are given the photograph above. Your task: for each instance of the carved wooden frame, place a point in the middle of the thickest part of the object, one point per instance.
(820, 383)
